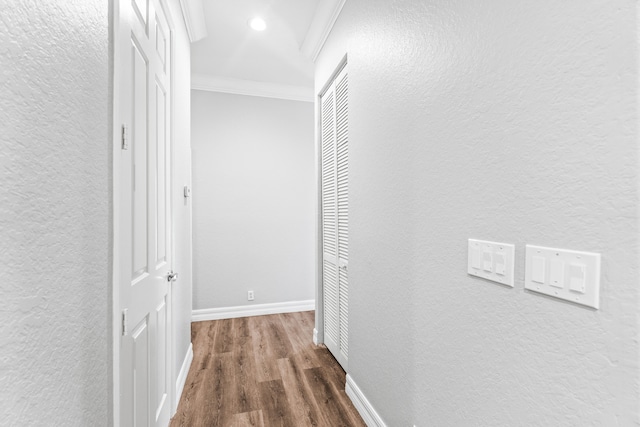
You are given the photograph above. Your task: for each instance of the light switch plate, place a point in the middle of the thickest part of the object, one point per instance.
(492, 261)
(569, 275)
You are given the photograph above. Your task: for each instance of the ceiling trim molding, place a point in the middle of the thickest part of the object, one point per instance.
(251, 88)
(325, 18)
(193, 13)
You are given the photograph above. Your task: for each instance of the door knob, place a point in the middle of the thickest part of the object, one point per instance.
(172, 277)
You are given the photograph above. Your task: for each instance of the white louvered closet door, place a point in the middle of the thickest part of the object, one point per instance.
(335, 217)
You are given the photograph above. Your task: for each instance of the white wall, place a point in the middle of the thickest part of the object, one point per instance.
(54, 213)
(253, 200)
(512, 121)
(181, 176)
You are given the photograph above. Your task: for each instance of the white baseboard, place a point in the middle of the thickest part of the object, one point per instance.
(367, 412)
(315, 336)
(251, 310)
(182, 376)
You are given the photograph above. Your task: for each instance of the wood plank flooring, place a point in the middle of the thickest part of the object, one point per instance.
(263, 371)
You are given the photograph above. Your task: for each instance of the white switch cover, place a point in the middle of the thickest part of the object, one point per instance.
(492, 261)
(569, 275)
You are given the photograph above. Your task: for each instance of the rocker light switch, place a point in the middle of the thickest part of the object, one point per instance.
(501, 261)
(476, 257)
(576, 278)
(556, 275)
(487, 259)
(539, 269)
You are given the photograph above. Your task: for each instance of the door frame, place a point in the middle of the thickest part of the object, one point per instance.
(116, 313)
(318, 332)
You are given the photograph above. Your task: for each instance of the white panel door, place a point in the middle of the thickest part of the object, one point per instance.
(144, 214)
(335, 210)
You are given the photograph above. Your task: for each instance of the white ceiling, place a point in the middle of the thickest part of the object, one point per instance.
(235, 51)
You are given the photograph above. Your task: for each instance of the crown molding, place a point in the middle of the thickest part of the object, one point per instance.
(323, 21)
(251, 88)
(193, 13)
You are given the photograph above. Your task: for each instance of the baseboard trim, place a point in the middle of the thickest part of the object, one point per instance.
(251, 310)
(362, 404)
(182, 376)
(315, 336)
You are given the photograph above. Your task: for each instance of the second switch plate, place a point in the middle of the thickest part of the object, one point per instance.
(566, 274)
(492, 261)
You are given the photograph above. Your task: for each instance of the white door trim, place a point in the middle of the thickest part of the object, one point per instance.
(175, 374)
(116, 314)
(181, 378)
(318, 331)
(116, 324)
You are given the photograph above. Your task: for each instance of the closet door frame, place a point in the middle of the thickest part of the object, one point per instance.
(318, 332)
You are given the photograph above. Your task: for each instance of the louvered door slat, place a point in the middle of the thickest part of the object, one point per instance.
(328, 173)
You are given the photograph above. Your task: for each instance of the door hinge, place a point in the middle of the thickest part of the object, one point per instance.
(125, 137)
(125, 330)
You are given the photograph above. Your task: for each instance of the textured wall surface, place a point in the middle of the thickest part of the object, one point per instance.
(182, 288)
(512, 121)
(253, 200)
(54, 212)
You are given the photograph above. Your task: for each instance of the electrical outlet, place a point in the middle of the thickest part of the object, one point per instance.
(250, 295)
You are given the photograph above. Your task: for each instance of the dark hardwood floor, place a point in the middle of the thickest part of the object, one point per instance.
(263, 371)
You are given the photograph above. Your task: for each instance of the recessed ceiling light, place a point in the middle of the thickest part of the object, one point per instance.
(258, 24)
